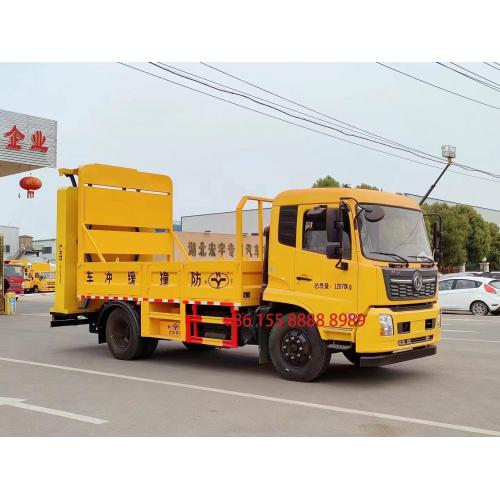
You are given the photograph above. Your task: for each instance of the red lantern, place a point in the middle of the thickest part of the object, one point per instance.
(31, 184)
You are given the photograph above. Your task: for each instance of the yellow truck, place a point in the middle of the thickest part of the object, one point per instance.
(340, 270)
(39, 277)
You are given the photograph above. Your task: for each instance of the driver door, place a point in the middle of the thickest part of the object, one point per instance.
(321, 286)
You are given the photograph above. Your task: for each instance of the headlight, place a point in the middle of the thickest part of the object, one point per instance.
(386, 325)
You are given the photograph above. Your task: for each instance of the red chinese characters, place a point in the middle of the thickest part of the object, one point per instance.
(38, 140)
(16, 136)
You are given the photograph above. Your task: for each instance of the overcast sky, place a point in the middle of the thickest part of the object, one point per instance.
(216, 152)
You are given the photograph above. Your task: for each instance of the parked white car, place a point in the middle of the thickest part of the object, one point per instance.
(476, 294)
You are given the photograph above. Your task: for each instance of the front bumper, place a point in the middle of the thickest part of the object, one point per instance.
(414, 327)
(397, 357)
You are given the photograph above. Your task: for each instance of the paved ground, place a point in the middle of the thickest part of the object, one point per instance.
(71, 386)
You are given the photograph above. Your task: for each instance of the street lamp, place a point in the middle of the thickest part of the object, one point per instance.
(448, 152)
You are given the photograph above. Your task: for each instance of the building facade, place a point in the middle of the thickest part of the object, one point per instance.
(11, 241)
(46, 248)
(224, 222)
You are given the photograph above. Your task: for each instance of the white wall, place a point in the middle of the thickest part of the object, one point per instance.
(46, 257)
(224, 222)
(11, 239)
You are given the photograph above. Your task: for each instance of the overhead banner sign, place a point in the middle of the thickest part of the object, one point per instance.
(26, 143)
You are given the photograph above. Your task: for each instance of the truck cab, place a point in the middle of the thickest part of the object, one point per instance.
(360, 262)
(40, 277)
(14, 274)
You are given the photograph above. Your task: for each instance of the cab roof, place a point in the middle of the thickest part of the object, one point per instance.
(332, 195)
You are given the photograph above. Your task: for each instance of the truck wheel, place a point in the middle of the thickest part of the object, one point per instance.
(297, 352)
(198, 347)
(123, 334)
(352, 356)
(149, 347)
(35, 289)
(479, 308)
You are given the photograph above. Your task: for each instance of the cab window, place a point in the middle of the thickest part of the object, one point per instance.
(314, 237)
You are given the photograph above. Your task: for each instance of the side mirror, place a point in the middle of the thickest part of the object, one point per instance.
(374, 213)
(436, 235)
(333, 251)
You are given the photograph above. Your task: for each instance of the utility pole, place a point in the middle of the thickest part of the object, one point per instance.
(448, 152)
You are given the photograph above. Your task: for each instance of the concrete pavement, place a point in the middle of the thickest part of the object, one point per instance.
(226, 392)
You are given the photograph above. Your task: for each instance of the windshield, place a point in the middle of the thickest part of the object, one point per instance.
(48, 275)
(398, 237)
(16, 271)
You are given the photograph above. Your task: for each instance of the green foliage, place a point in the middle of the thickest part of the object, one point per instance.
(329, 181)
(326, 182)
(467, 237)
(363, 185)
(494, 255)
(455, 231)
(479, 237)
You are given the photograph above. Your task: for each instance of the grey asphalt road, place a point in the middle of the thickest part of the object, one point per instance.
(60, 382)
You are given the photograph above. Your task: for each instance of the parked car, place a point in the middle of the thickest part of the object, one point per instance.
(476, 294)
(492, 274)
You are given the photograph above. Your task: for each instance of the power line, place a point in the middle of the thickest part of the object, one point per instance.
(438, 87)
(258, 101)
(322, 114)
(431, 157)
(347, 126)
(485, 84)
(477, 74)
(296, 124)
(491, 66)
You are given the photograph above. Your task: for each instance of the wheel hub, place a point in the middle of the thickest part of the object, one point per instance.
(295, 348)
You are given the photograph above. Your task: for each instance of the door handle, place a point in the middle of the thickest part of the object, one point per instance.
(304, 278)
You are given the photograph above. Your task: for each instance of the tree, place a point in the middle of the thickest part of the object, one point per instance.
(325, 182)
(478, 243)
(494, 255)
(329, 181)
(363, 185)
(455, 232)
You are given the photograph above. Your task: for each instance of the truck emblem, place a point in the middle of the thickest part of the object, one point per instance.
(218, 280)
(417, 281)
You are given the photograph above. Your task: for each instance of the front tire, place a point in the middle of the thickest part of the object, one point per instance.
(479, 308)
(298, 353)
(35, 289)
(352, 356)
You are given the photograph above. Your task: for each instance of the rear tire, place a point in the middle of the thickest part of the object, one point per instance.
(35, 289)
(495, 313)
(150, 346)
(123, 334)
(298, 353)
(198, 347)
(479, 308)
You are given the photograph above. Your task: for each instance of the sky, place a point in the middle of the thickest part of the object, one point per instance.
(216, 152)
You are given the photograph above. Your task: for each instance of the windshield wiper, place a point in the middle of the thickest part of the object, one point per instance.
(394, 255)
(428, 259)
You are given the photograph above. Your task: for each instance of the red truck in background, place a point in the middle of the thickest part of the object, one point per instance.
(14, 275)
